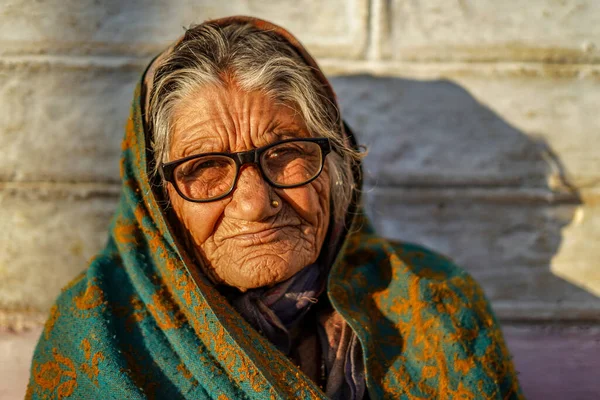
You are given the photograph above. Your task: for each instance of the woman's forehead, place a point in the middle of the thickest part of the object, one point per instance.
(231, 120)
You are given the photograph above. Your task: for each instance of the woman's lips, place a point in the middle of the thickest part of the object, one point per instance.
(269, 234)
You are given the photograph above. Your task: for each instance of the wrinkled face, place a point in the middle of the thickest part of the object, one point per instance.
(244, 240)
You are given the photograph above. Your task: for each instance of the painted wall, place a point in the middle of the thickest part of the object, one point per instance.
(481, 118)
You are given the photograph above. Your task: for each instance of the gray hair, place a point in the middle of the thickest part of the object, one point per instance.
(258, 60)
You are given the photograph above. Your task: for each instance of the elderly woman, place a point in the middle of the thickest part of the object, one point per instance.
(239, 263)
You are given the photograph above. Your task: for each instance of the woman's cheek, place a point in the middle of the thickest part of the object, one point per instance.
(200, 219)
(320, 193)
(301, 200)
(311, 202)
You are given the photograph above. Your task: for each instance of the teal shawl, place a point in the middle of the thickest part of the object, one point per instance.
(143, 322)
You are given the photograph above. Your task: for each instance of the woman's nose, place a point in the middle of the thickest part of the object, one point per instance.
(251, 199)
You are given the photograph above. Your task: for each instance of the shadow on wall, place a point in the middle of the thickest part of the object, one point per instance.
(445, 171)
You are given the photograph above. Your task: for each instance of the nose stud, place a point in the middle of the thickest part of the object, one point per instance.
(274, 203)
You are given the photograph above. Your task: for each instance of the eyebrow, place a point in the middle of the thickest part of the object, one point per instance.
(204, 146)
(207, 147)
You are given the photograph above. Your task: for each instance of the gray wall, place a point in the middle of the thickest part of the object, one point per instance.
(480, 117)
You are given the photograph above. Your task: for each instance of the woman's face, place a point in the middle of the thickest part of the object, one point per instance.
(244, 239)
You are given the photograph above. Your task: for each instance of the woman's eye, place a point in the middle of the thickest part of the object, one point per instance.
(193, 168)
(286, 152)
(207, 164)
(202, 167)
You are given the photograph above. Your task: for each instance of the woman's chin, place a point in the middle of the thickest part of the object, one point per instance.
(262, 274)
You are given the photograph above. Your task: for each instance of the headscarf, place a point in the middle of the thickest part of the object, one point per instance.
(279, 312)
(143, 322)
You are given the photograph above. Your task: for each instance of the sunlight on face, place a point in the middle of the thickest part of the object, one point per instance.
(244, 240)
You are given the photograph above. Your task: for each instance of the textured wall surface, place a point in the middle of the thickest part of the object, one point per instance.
(481, 119)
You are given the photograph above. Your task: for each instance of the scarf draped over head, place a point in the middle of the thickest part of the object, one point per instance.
(142, 321)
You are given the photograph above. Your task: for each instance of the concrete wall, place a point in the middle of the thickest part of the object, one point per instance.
(481, 117)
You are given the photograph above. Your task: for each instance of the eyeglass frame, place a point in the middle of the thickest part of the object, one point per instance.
(240, 159)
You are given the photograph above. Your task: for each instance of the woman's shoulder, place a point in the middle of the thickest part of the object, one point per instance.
(80, 306)
(399, 267)
(368, 252)
(425, 262)
(86, 294)
(422, 317)
(402, 277)
(74, 341)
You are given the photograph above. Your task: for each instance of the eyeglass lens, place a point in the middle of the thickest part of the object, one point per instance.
(286, 164)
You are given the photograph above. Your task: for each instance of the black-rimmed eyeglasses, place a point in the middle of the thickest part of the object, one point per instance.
(208, 177)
